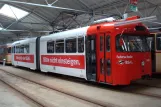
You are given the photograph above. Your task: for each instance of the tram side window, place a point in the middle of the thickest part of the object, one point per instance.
(59, 46)
(1, 50)
(159, 43)
(80, 44)
(9, 50)
(108, 43)
(14, 49)
(26, 48)
(17, 49)
(71, 45)
(50, 46)
(22, 49)
(119, 44)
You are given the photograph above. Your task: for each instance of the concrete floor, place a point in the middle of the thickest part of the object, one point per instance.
(11, 98)
(106, 95)
(45, 95)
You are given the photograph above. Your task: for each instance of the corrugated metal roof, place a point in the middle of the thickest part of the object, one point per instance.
(47, 18)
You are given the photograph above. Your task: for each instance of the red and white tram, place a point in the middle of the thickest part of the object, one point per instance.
(102, 52)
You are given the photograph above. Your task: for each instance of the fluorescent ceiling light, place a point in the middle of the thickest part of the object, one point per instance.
(13, 12)
(2, 29)
(111, 19)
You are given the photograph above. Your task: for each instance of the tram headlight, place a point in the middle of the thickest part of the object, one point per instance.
(121, 62)
(142, 63)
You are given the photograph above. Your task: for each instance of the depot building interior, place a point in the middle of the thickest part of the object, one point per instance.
(26, 19)
(78, 53)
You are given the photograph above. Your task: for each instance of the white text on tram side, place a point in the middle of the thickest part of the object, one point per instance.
(27, 58)
(67, 61)
(124, 57)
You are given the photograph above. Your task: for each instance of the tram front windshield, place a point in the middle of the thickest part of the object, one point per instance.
(130, 43)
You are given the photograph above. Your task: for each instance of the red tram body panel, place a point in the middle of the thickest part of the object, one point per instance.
(125, 66)
(103, 52)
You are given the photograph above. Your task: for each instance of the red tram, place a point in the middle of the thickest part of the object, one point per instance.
(103, 52)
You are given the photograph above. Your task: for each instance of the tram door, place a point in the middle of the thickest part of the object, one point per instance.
(158, 53)
(91, 57)
(104, 67)
(151, 43)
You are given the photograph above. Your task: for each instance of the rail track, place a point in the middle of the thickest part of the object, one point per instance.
(27, 95)
(119, 88)
(138, 88)
(45, 104)
(100, 103)
(146, 85)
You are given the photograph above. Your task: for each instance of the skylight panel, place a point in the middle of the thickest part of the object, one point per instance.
(2, 29)
(13, 12)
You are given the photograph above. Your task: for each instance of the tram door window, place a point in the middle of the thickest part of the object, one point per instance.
(108, 43)
(91, 57)
(80, 44)
(108, 61)
(158, 54)
(158, 40)
(105, 59)
(151, 43)
(101, 43)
